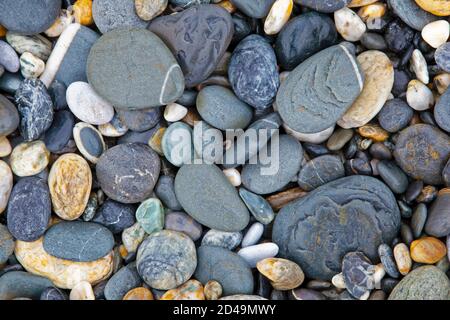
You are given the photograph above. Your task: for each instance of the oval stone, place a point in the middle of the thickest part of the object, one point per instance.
(140, 120)
(438, 221)
(8, 58)
(29, 209)
(316, 231)
(436, 7)
(320, 90)
(253, 72)
(181, 222)
(258, 206)
(206, 195)
(89, 141)
(165, 191)
(411, 13)
(9, 117)
(395, 115)
(121, 69)
(128, 172)
(217, 238)
(29, 158)
(19, 284)
(198, 38)
(319, 171)
(122, 281)
(442, 57)
(150, 215)
(115, 216)
(60, 132)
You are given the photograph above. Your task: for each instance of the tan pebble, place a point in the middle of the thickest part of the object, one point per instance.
(70, 182)
(338, 281)
(349, 24)
(233, 176)
(379, 80)
(149, 9)
(64, 274)
(82, 291)
(5, 147)
(278, 16)
(419, 96)
(373, 132)
(29, 158)
(283, 274)
(175, 112)
(155, 141)
(360, 3)
(436, 7)
(31, 67)
(428, 250)
(65, 18)
(228, 5)
(442, 82)
(139, 293)
(38, 45)
(132, 237)
(436, 33)
(213, 290)
(372, 11)
(279, 200)
(402, 258)
(6, 184)
(419, 66)
(191, 290)
(82, 11)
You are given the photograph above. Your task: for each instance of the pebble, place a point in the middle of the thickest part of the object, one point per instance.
(37, 45)
(206, 195)
(339, 139)
(258, 206)
(319, 171)
(212, 290)
(128, 172)
(57, 91)
(255, 9)
(217, 238)
(29, 158)
(419, 96)
(200, 55)
(177, 144)
(191, 290)
(35, 108)
(438, 222)
(124, 280)
(60, 132)
(398, 36)
(336, 195)
(10, 82)
(82, 12)
(9, 59)
(175, 112)
(253, 72)
(419, 66)
(29, 17)
(388, 260)
(6, 244)
(9, 117)
(319, 109)
(393, 176)
(115, 216)
(373, 41)
(6, 185)
(283, 274)
(181, 222)
(421, 152)
(132, 237)
(278, 16)
(140, 120)
(358, 274)
(219, 107)
(124, 85)
(64, 19)
(233, 176)
(395, 115)
(31, 67)
(428, 250)
(423, 283)
(226, 267)
(139, 293)
(5, 147)
(52, 293)
(326, 6)
(150, 215)
(418, 220)
(402, 258)
(441, 114)
(253, 235)
(82, 291)
(115, 128)
(255, 253)
(442, 55)
(436, 7)
(166, 259)
(29, 209)
(16, 284)
(149, 9)
(349, 24)
(411, 13)
(65, 274)
(89, 141)
(165, 191)
(70, 182)
(436, 33)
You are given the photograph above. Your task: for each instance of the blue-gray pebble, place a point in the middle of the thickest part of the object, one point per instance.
(20, 284)
(9, 117)
(115, 216)
(140, 120)
(60, 132)
(412, 14)
(395, 115)
(165, 191)
(320, 171)
(255, 9)
(122, 281)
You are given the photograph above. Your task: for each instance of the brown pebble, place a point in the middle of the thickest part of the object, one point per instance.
(428, 250)
(279, 200)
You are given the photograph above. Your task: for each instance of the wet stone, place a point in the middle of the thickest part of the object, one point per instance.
(122, 281)
(181, 222)
(60, 132)
(217, 238)
(140, 120)
(115, 216)
(395, 115)
(319, 171)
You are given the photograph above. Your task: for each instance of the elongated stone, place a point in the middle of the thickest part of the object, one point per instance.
(319, 171)
(122, 281)
(258, 206)
(19, 284)
(36, 44)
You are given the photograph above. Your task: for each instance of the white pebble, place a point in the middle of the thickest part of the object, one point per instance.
(349, 24)
(419, 66)
(256, 253)
(419, 96)
(436, 33)
(253, 235)
(278, 16)
(31, 67)
(338, 281)
(175, 112)
(82, 291)
(233, 176)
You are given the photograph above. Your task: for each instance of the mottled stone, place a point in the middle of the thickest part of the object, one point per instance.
(428, 250)
(60, 132)
(320, 171)
(191, 290)
(115, 14)
(256, 9)
(150, 215)
(436, 7)
(31, 66)
(17, 284)
(82, 291)
(132, 237)
(115, 128)
(165, 191)
(149, 9)
(139, 293)
(401, 254)
(358, 274)
(283, 274)
(115, 216)
(140, 120)
(29, 158)
(9, 117)
(36, 44)
(258, 206)
(395, 115)
(217, 238)
(121, 282)
(213, 290)
(356, 212)
(89, 141)
(181, 222)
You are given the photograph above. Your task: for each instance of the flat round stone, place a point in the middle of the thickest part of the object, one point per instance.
(122, 281)
(89, 141)
(128, 172)
(320, 171)
(323, 5)
(20, 284)
(29, 209)
(206, 195)
(9, 117)
(355, 212)
(121, 69)
(60, 132)
(78, 241)
(115, 216)
(395, 115)
(29, 158)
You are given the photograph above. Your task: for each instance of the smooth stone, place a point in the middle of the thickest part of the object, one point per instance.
(140, 120)
(436, 7)
(156, 138)
(401, 254)
(393, 176)
(253, 72)
(31, 66)
(87, 105)
(8, 57)
(128, 172)
(52, 294)
(139, 293)
(379, 80)
(175, 112)
(337, 81)
(326, 6)
(6, 185)
(5, 147)
(70, 182)
(398, 36)
(6, 244)
(198, 38)
(140, 137)
(436, 33)
(78, 241)
(122, 281)
(358, 274)
(388, 260)
(438, 221)
(132, 237)
(126, 86)
(349, 25)
(418, 220)
(191, 290)
(222, 109)
(9, 117)
(116, 14)
(68, 60)
(419, 96)
(37, 44)
(82, 291)
(10, 82)
(217, 238)
(258, 206)
(320, 171)
(29, 17)
(65, 274)
(419, 66)
(115, 128)
(422, 151)
(57, 91)
(165, 191)
(441, 112)
(253, 235)
(35, 108)
(357, 203)
(16, 284)
(89, 141)
(427, 250)
(423, 283)
(60, 132)
(442, 57)
(411, 13)
(283, 274)
(207, 140)
(115, 216)
(278, 16)
(181, 222)
(29, 209)
(206, 195)
(263, 179)
(213, 290)
(373, 41)
(149, 9)
(226, 267)
(150, 215)
(29, 158)
(177, 144)
(255, 253)
(395, 115)
(166, 259)
(255, 9)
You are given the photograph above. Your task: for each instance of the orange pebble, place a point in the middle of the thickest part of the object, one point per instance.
(428, 250)
(2, 31)
(139, 293)
(82, 10)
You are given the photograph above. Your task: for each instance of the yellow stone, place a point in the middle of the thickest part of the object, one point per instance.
(213, 290)
(278, 16)
(82, 11)
(70, 182)
(191, 290)
(402, 258)
(123, 251)
(428, 250)
(360, 3)
(374, 132)
(5, 147)
(283, 274)
(29, 158)
(372, 11)
(139, 293)
(64, 274)
(436, 7)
